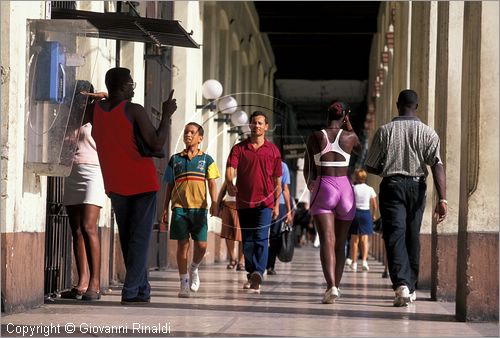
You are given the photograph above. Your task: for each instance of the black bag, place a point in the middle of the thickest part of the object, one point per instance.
(377, 225)
(143, 147)
(287, 244)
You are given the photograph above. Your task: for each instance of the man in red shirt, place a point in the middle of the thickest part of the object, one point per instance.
(258, 188)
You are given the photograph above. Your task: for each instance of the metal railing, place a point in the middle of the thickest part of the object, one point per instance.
(57, 240)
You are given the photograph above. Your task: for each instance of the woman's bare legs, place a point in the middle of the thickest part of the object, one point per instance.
(365, 245)
(332, 235)
(86, 247)
(74, 216)
(92, 246)
(230, 250)
(354, 249)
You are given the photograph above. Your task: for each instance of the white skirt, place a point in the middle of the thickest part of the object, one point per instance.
(84, 186)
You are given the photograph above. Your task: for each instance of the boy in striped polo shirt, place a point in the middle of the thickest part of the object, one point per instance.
(186, 176)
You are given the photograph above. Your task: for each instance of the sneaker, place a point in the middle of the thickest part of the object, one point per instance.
(255, 281)
(316, 241)
(365, 266)
(194, 277)
(402, 296)
(247, 284)
(331, 295)
(354, 267)
(348, 261)
(385, 274)
(413, 296)
(184, 292)
(271, 271)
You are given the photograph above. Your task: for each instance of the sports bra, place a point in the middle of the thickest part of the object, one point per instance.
(335, 147)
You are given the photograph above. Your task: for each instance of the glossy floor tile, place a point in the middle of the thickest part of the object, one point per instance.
(289, 305)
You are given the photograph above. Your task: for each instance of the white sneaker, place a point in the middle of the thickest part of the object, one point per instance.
(316, 241)
(331, 295)
(413, 296)
(184, 292)
(348, 261)
(402, 296)
(195, 280)
(365, 266)
(354, 267)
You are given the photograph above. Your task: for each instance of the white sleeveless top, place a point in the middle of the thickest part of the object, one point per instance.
(335, 147)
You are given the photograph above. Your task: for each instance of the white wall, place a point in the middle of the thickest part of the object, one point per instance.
(23, 195)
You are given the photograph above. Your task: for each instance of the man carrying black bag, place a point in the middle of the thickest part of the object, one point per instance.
(130, 180)
(279, 229)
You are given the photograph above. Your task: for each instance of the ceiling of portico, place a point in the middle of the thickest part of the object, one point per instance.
(322, 51)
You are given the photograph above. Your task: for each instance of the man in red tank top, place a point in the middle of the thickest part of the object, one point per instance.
(130, 180)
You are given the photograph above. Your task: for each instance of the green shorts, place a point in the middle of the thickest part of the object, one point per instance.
(186, 221)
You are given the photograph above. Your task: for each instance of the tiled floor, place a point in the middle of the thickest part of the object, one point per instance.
(290, 305)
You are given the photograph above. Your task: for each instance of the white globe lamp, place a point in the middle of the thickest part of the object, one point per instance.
(245, 128)
(227, 105)
(211, 89)
(239, 118)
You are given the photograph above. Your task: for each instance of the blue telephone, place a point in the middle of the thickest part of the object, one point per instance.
(50, 76)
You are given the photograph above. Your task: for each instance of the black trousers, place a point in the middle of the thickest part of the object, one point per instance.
(402, 203)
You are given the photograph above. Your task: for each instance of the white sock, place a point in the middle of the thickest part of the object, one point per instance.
(185, 279)
(194, 266)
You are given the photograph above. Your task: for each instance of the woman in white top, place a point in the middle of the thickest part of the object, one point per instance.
(362, 225)
(84, 197)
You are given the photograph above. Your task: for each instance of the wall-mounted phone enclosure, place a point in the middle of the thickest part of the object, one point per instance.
(59, 53)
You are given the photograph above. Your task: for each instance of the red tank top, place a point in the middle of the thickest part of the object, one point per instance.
(124, 170)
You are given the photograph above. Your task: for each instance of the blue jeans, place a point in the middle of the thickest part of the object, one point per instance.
(255, 223)
(135, 215)
(275, 240)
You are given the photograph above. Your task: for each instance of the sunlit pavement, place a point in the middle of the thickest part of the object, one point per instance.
(289, 305)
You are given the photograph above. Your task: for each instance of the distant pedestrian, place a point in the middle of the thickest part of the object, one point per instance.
(362, 225)
(230, 228)
(285, 216)
(400, 152)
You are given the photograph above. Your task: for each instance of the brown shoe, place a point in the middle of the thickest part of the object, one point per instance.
(91, 295)
(255, 281)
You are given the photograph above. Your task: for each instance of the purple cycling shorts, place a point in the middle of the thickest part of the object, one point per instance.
(333, 194)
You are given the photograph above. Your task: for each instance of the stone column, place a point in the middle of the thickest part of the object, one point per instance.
(447, 120)
(187, 70)
(477, 259)
(422, 80)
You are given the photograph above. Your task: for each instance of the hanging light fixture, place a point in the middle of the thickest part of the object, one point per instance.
(211, 90)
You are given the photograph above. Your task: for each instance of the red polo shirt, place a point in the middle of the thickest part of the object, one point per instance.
(257, 170)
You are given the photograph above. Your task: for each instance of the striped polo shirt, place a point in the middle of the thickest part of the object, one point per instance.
(189, 179)
(404, 146)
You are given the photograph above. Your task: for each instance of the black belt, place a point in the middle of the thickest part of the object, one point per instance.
(406, 177)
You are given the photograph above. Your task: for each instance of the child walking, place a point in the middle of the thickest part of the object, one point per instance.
(186, 176)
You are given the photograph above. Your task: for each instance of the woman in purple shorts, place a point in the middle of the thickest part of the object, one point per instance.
(332, 198)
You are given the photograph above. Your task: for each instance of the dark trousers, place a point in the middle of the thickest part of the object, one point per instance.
(255, 223)
(402, 203)
(275, 238)
(135, 215)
